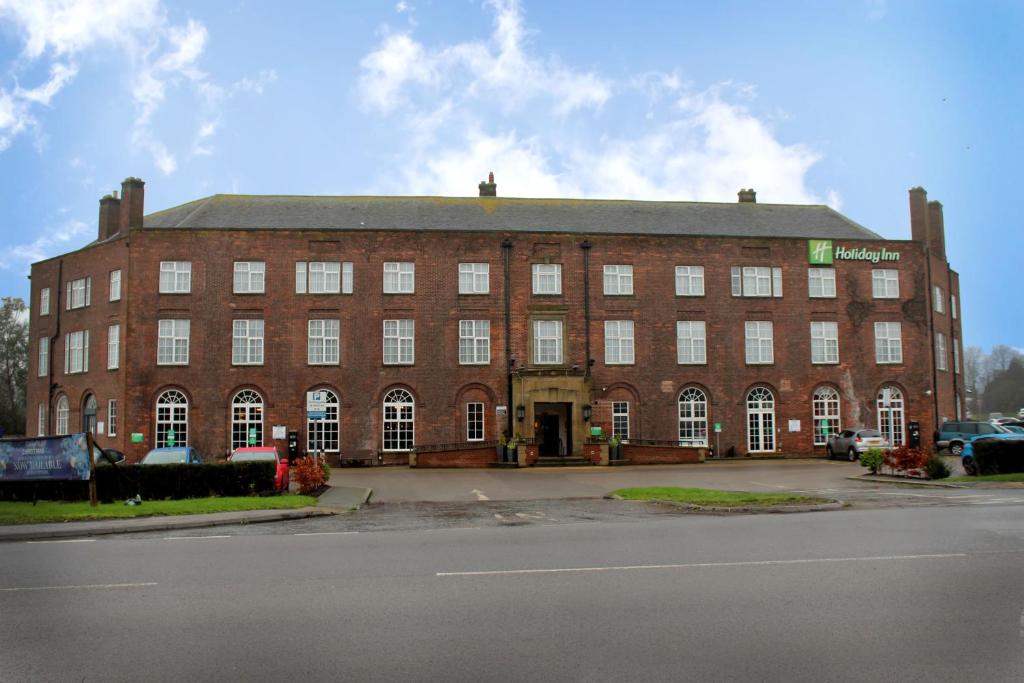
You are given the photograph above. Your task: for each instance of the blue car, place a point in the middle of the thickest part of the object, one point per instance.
(967, 457)
(172, 455)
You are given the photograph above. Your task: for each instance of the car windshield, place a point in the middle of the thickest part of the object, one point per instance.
(254, 456)
(869, 434)
(165, 457)
(1002, 430)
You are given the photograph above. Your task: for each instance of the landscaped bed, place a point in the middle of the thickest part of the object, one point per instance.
(58, 511)
(717, 499)
(1015, 476)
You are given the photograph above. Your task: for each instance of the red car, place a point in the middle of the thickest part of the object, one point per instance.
(264, 454)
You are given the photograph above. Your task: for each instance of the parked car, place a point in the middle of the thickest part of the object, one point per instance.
(264, 454)
(108, 456)
(953, 435)
(852, 442)
(172, 455)
(1020, 414)
(967, 455)
(1016, 429)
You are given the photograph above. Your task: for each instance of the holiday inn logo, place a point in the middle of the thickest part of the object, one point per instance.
(822, 253)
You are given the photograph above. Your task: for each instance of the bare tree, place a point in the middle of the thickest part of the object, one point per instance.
(13, 364)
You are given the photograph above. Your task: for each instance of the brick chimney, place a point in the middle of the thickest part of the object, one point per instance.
(110, 216)
(490, 188)
(747, 196)
(937, 229)
(132, 200)
(919, 231)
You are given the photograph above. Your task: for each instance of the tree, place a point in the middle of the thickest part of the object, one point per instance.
(1005, 393)
(13, 364)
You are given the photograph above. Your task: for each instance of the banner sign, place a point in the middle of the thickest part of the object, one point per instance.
(822, 253)
(45, 458)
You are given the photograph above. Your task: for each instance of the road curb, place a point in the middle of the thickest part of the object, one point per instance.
(59, 530)
(747, 510)
(873, 479)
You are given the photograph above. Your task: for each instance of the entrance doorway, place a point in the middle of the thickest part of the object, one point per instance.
(554, 430)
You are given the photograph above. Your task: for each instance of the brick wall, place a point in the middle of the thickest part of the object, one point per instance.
(662, 455)
(476, 457)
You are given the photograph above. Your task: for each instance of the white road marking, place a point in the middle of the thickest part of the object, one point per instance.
(66, 588)
(498, 515)
(326, 533)
(68, 540)
(700, 565)
(773, 486)
(190, 538)
(480, 494)
(530, 515)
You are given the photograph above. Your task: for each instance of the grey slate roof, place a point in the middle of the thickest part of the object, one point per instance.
(502, 214)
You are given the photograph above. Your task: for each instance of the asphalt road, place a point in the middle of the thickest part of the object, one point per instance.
(917, 593)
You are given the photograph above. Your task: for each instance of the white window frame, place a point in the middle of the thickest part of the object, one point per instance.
(689, 280)
(618, 280)
(63, 415)
(474, 278)
(44, 301)
(175, 277)
(323, 345)
(693, 417)
(247, 341)
(474, 342)
(400, 342)
(115, 285)
(325, 435)
(757, 281)
(249, 277)
(619, 345)
(938, 299)
(825, 407)
(41, 419)
(821, 283)
(551, 340)
(399, 410)
(323, 277)
(620, 420)
(941, 352)
(399, 277)
(173, 341)
(475, 421)
(956, 356)
(547, 279)
(760, 420)
(44, 357)
(79, 293)
(112, 417)
(891, 415)
(885, 283)
(113, 347)
(824, 342)
(888, 343)
(952, 305)
(759, 336)
(248, 411)
(172, 412)
(76, 352)
(691, 342)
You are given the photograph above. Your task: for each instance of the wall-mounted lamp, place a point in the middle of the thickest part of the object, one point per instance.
(520, 412)
(587, 412)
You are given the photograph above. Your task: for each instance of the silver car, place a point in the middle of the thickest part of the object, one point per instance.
(852, 442)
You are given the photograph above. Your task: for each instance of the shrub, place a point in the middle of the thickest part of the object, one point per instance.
(999, 456)
(309, 475)
(910, 460)
(326, 468)
(872, 458)
(936, 468)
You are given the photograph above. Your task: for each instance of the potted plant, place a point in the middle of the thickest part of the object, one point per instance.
(502, 448)
(614, 447)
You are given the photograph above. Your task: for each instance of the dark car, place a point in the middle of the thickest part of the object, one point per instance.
(108, 456)
(264, 454)
(953, 435)
(172, 455)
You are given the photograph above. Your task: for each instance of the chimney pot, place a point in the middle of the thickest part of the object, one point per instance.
(490, 188)
(132, 203)
(747, 196)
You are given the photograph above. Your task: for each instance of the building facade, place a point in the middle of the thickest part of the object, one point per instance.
(442, 323)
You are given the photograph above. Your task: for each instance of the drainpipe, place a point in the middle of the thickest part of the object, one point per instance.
(931, 331)
(585, 246)
(506, 248)
(53, 343)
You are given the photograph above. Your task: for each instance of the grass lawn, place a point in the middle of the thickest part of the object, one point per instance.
(713, 498)
(59, 511)
(1016, 476)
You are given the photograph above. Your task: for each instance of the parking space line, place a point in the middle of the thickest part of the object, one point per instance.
(67, 540)
(191, 538)
(326, 533)
(81, 587)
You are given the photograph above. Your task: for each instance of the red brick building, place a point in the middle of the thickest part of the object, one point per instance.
(440, 323)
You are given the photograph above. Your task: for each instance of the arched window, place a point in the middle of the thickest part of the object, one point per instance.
(825, 407)
(693, 417)
(890, 415)
(323, 435)
(171, 419)
(399, 426)
(246, 419)
(760, 420)
(89, 414)
(63, 412)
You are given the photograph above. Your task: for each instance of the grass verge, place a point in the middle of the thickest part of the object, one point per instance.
(59, 511)
(1015, 476)
(714, 498)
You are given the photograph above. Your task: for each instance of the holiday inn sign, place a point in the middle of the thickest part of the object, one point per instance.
(822, 253)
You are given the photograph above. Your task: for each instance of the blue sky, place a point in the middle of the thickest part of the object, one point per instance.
(845, 103)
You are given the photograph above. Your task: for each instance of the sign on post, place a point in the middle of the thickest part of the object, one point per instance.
(718, 428)
(316, 405)
(45, 458)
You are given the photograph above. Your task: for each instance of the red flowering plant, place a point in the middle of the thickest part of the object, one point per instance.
(911, 461)
(309, 475)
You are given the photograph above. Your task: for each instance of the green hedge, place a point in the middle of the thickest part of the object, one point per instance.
(998, 456)
(154, 482)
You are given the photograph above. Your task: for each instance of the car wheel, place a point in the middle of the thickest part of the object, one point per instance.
(852, 455)
(970, 467)
(956, 449)
(829, 453)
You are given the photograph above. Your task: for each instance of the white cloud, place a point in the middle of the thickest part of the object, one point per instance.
(43, 246)
(662, 138)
